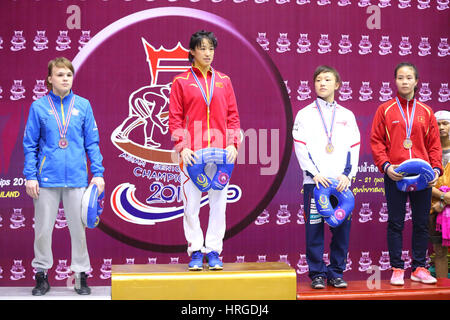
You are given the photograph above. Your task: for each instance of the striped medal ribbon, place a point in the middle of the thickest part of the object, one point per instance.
(211, 86)
(407, 143)
(329, 147)
(63, 142)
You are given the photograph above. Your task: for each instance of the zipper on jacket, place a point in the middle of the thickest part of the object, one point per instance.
(407, 119)
(62, 112)
(209, 135)
(42, 165)
(65, 154)
(207, 112)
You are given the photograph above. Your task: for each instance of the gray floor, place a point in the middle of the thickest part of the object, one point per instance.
(55, 293)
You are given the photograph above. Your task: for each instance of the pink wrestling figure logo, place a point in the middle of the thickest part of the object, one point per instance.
(149, 108)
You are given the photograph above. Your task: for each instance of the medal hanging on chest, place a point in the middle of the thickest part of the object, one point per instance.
(329, 147)
(63, 143)
(407, 143)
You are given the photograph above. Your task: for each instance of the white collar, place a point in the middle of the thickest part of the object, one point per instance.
(325, 104)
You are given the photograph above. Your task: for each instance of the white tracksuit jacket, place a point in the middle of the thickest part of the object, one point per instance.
(310, 141)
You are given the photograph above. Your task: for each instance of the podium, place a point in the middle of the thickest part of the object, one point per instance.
(237, 281)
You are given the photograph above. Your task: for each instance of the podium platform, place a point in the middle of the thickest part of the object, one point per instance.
(237, 281)
(359, 290)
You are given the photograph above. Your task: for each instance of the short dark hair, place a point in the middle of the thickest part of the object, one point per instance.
(324, 68)
(197, 38)
(406, 64)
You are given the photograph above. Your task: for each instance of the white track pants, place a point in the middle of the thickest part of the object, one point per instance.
(45, 212)
(191, 222)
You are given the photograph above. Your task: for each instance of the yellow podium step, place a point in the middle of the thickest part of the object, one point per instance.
(237, 281)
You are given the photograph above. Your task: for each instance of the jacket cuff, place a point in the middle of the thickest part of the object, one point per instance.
(31, 177)
(309, 174)
(438, 171)
(385, 165)
(180, 146)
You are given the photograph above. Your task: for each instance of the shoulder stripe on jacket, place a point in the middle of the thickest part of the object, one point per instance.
(180, 77)
(425, 107)
(385, 111)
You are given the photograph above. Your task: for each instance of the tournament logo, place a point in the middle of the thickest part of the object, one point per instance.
(127, 70)
(201, 180)
(323, 201)
(223, 178)
(411, 187)
(339, 214)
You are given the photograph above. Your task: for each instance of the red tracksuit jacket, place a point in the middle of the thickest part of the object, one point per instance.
(389, 132)
(191, 124)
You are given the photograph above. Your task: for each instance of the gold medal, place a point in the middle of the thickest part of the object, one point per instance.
(63, 143)
(407, 144)
(329, 148)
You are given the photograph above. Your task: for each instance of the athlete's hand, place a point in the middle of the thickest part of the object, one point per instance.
(32, 188)
(432, 183)
(436, 207)
(318, 179)
(231, 153)
(100, 183)
(447, 197)
(343, 184)
(392, 174)
(188, 156)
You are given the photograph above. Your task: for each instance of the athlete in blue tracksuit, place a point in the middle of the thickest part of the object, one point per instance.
(60, 131)
(51, 165)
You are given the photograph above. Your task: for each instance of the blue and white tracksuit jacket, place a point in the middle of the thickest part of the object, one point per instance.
(310, 143)
(45, 161)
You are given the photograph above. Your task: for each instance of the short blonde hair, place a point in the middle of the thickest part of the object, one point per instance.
(59, 62)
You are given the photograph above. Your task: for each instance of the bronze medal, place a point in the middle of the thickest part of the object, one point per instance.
(407, 144)
(63, 143)
(329, 147)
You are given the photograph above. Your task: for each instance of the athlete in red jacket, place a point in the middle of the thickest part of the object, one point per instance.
(404, 128)
(192, 124)
(203, 114)
(389, 134)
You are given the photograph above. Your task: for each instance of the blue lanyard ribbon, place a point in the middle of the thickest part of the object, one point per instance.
(211, 86)
(329, 134)
(409, 124)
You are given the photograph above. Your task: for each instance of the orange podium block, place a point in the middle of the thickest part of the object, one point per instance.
(237, 281)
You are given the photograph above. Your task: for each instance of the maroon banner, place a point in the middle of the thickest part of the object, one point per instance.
(125, 55)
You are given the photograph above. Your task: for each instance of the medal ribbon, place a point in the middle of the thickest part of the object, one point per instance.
(62, 130)
(411, 118)
(211, 86)
(330, 134)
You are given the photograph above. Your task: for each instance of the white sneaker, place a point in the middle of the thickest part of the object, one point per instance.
(423, 275)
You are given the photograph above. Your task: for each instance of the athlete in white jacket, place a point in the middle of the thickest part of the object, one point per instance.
(327, 143)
